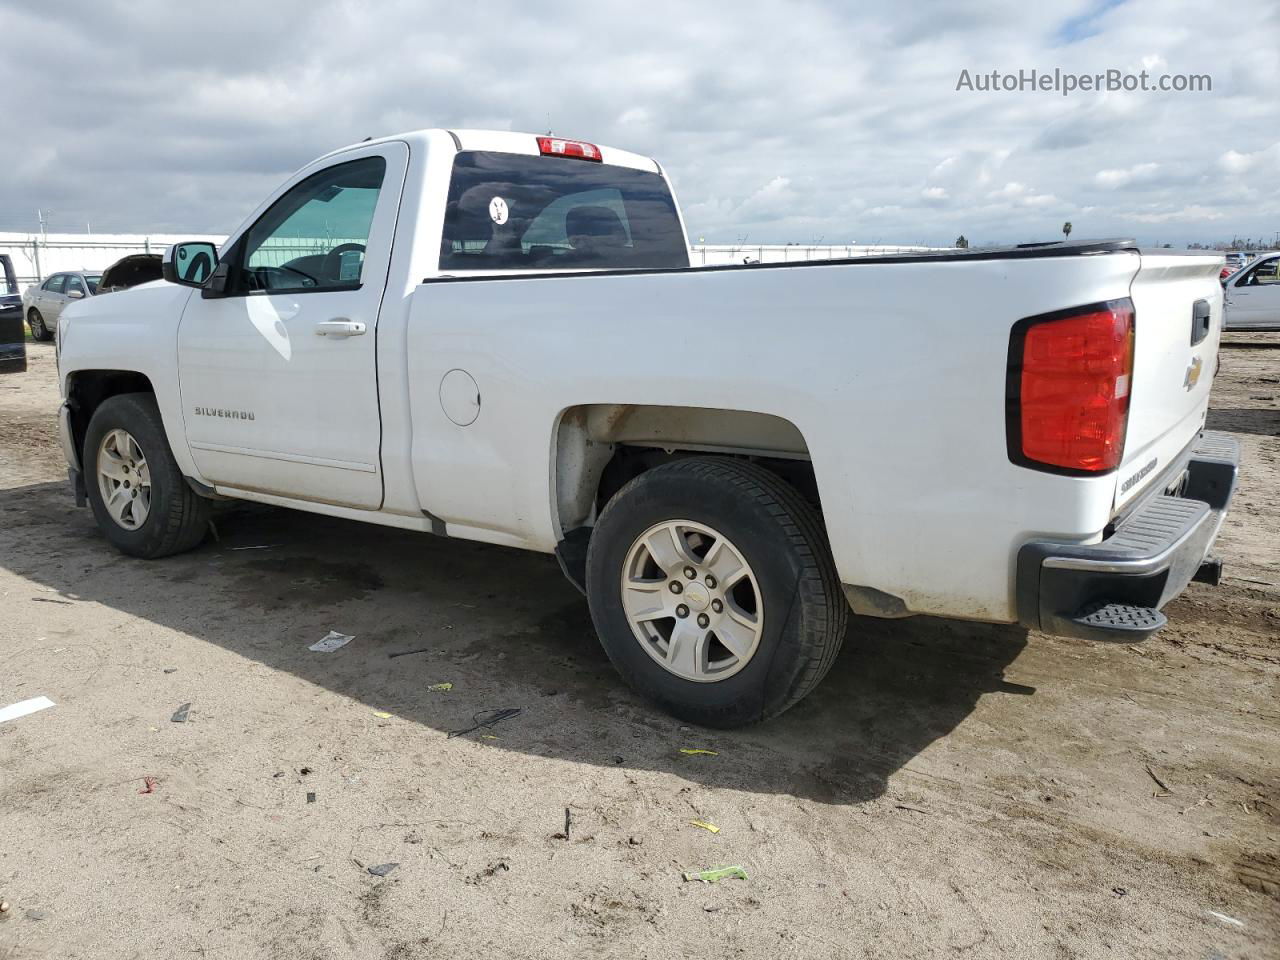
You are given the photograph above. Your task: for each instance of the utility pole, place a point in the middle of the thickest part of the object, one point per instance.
(35, 244)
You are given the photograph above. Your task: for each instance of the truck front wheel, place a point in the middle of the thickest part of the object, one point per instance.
(713, 590)
(140, 499)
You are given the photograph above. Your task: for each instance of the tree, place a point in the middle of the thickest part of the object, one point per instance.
(1066, 230)
(961, 242)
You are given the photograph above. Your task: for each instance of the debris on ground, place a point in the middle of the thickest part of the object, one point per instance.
(330, 642)
(486, 718)
(311, 796)
(1232, 921)
(4, 906)
(382, 715)
(698, 752)
(305, 771)
(904, 806)
(440, 687)
(568, 822)
(382, 869)
(711, 827)
(716, 874)
(1159, 783)
(170, 669)
(408, 653)
(24, 707)
(180, 715)
(149, 784)
(42, 915)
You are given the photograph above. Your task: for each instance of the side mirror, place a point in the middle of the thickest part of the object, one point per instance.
(189, 263)
(75, 294)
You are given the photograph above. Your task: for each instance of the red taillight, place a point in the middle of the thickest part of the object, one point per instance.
(559, 147)
(1069, 380)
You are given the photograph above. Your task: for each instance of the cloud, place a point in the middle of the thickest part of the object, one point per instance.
(1111, 179)
(1238, 163)
(834, 120)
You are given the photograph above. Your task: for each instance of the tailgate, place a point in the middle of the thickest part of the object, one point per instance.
(1177, 301)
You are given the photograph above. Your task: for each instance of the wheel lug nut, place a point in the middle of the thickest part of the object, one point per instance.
(703, 620)
(717, 606)
(710, 581)
(690, 572)
(682, 611)
(675, 586)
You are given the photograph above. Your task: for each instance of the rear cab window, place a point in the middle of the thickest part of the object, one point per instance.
(510, 211)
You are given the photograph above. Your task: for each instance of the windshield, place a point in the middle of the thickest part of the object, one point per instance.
(511, 211)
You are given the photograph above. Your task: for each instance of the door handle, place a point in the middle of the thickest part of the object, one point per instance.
(340, 327)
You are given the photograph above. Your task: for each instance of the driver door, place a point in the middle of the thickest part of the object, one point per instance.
(278, 373)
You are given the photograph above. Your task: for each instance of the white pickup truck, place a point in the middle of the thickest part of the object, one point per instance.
(497, 336)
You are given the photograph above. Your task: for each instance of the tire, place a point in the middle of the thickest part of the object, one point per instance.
(39, 331)
(176, 518)
(792, 591)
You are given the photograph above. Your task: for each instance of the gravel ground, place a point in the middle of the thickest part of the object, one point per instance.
(951, 788)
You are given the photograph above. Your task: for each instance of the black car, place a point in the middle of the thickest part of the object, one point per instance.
(13, 344)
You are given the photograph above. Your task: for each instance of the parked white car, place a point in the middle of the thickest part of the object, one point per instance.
(42, 304)
(497, 336)
(1253, 295)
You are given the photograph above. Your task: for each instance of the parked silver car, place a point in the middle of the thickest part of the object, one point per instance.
(1253, 295)
(42, 305)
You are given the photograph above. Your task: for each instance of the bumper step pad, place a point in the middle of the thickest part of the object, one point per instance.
(1123, 621)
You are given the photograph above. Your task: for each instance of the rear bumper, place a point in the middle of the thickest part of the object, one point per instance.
(1114, 589)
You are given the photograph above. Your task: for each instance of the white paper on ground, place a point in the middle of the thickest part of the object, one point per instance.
(16, 710)
(331, 642)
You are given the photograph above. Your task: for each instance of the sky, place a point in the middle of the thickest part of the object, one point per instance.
(777, 122)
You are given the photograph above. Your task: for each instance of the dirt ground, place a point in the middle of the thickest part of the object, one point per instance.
(951, 789)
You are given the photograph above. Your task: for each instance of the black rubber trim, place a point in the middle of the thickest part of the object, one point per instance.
(76, 479)
(437, 525)
(571, 552)
(1021, 252)
(456, 142)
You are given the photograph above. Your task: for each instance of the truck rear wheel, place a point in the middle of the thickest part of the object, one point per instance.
(140, 499)
(713, 590)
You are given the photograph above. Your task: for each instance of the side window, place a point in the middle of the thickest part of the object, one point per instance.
(1267, 272)
(313, 238)
(74, 283)
(56, 283)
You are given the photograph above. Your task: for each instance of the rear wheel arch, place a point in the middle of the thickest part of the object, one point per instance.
(598, 448)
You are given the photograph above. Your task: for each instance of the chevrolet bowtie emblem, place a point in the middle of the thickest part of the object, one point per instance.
(1193, 374)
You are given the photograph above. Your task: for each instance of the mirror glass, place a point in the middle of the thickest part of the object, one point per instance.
(194, 261)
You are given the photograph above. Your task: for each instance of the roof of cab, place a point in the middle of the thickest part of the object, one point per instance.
(504, 141)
